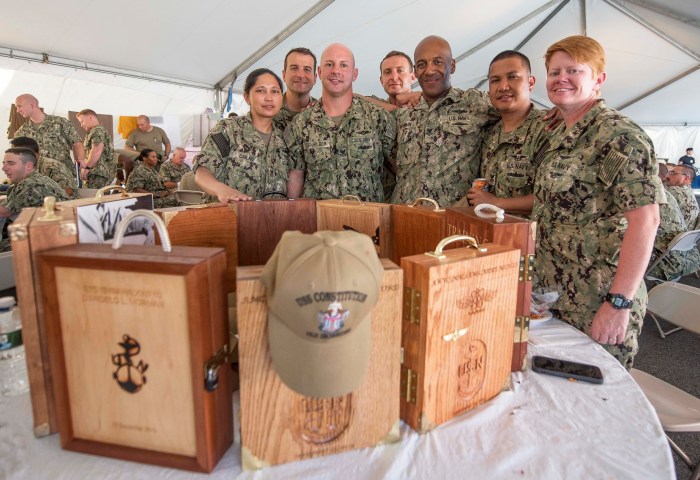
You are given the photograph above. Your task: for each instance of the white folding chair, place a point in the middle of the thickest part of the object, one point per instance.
(681, 243)
(678, 411)
(676, 303)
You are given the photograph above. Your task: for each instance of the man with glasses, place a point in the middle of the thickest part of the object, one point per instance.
(678, 182)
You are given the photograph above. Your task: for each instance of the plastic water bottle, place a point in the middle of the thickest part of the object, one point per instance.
(13, 367)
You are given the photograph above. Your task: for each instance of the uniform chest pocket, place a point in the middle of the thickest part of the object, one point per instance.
(459, 128)
(562, 173)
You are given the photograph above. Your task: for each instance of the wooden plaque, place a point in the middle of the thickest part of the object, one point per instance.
(279, 425)
(130, 334)
(33, 232)
(372, 219)
(261, 224)
(457, 331)
(209, 225)
(415, 230)
(514, 232)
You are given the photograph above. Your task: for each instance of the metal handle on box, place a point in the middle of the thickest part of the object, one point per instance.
(100, 193)
(49, 210)
(269, 194)
(498, 213)
(429, 200)
(351, 197)
(159, 224)
(454, 238)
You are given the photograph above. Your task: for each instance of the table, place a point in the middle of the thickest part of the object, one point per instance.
(545, 427)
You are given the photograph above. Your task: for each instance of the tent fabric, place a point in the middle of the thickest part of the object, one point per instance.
(652, 48)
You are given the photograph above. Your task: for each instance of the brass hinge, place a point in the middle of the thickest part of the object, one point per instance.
(17, 232)
(411, 305)
(527, 268)
(67, 229)
(211, 368)
(409, 384)
(402, 355)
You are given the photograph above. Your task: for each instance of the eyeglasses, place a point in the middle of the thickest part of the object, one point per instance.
(677, 173)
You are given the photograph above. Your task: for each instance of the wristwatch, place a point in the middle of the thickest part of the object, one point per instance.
(618, 301)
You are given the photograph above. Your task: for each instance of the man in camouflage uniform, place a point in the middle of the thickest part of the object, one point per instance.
(145, 179)
(676, 263)
(172, 171)
(99, 167)
(299, 76)
(28, 188)
(53, 169)
(508, 151)
(340, 143)
(678, 182)
(439, 141)
(55, 135)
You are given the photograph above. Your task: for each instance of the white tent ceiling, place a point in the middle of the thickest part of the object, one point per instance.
(652, 46)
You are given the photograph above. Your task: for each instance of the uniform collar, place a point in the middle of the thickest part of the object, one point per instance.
(569, 138)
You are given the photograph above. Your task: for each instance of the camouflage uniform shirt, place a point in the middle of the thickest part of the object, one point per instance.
(30, 192)
(345, 159)
(587, 178)
(686, 201)
(105, 169)
(285, 116)
(55, 136)
(146, 178)
(676, 263)
(507, 159)
(236, 155)
(170, 172)
(58, 172)
(439, 146)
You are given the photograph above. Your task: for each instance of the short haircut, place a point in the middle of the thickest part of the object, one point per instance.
(688, 170)
(232, 114)
(25, 154)
(582, 49)
(663, 170)
(25, 142)
(689, 149)
(512, 54)
(301, 50)
(255, 74)
(86, 111)
(396, 53)
(148, 120)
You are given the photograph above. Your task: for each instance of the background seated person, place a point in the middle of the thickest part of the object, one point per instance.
(172, 171)
(55, 170)
(244, 157)
(145, 179)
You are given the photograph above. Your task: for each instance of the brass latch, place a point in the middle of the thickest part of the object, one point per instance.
(411, 305)
(409, 384)
(211, 368)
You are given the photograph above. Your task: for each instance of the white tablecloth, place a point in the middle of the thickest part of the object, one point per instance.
(544, 428)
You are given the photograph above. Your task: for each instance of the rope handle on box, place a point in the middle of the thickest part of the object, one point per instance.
(498, 213)
(429, 200)
(351, 197)
(159, 224)
(454, 238)
(100, 193)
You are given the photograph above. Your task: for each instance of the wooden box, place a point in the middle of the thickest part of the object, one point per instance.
(261, 224)
(97, 218)
(136, 338)
(457, 331)
(209, 225)
(350, 213)
(279, 425)
(33, 232)
(416, 229)
(514, 232)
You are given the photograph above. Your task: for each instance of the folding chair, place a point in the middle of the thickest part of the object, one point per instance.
(681, 243)
(676, 303)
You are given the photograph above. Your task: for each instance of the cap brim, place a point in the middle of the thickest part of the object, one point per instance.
(320, 369)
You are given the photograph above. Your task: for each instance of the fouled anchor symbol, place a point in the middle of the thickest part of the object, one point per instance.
(129, 376)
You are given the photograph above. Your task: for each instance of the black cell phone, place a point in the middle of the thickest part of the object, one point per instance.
(567, 369)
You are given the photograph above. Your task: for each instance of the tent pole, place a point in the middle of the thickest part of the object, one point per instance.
(534, 32)
(272, 43)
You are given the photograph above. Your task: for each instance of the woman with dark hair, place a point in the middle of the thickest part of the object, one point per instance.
(596, 203)
(145, 179)
(245, 157)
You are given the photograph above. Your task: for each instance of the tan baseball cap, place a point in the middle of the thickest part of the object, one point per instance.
(321, 289)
